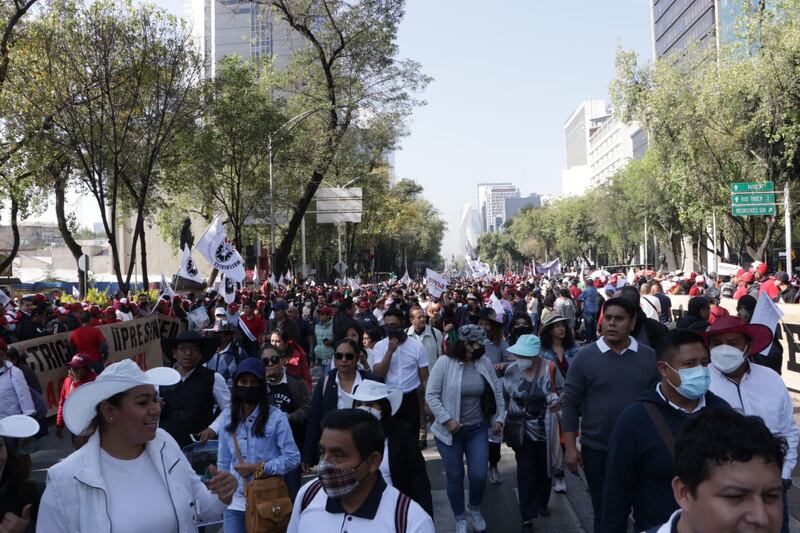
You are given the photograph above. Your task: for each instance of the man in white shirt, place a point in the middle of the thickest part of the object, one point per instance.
(431, 338)
(650, 304)
(350, 493)
(403, 363)
(15, 397)
(752, 390)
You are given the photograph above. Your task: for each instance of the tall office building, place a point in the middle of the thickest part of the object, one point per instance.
(469, 230)
(589, 116)
(611, 146)
(232, 27)
(491, 202)
(678, 24)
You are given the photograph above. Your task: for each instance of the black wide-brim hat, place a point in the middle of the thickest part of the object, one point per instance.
(208, 345)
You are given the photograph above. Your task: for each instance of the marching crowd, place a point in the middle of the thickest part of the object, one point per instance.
(682, 424)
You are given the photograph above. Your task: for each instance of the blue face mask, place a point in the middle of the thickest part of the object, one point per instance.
(694, 381)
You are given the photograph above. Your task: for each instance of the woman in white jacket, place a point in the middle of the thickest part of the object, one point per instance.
(130, 476)
(465, 399)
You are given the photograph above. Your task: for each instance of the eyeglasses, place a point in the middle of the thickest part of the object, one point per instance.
(271, 360)
(349, 356)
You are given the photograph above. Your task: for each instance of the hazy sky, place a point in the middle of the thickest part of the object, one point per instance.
(507, 74)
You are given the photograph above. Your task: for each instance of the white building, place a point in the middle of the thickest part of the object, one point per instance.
(492, 205)
(611, 146)
(575, 179)
(232, 27)
(469, 230)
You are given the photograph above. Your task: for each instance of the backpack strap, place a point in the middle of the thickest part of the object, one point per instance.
(310, 494)
(661, 427)
(401, 513)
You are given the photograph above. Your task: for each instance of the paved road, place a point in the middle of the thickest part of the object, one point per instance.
(570, 513)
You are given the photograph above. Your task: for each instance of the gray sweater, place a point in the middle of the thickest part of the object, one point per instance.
(600, 385)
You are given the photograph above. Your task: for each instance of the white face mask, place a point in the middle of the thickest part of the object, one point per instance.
(727, 358)
(371, 410)
(524, 363)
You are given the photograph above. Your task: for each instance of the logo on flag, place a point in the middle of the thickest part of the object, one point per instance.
(218, 250)
(188, 269)
(229, 287)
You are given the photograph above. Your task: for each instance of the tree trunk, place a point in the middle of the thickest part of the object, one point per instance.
(143, 248)
(5, 263)
(285, 247)
(61, 217)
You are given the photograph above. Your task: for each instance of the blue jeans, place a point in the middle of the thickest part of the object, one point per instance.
(469, 441)
(590, 326)
(534, 321)
(233, 521)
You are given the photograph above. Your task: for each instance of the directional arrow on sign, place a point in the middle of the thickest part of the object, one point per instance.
(340, 267)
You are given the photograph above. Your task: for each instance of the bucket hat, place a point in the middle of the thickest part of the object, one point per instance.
(80, 406)
(372, 391)
(208, 345)
(527, 346)
(472, 333)
(552, 319)
(18, 427)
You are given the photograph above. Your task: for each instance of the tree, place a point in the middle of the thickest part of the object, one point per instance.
(351, 70)
(114, 82)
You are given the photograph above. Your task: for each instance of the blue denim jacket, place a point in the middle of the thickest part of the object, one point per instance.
(276, 449)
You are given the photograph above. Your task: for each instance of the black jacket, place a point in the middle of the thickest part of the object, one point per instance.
(648, 331)
(324, 399)
(691, 322)
(406, 464)
(640, 468)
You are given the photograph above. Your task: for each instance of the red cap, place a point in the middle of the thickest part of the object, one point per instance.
(325, 310)
(363, 304)
(761, 268)
(748, 277)
(79, 360)
(233, 307)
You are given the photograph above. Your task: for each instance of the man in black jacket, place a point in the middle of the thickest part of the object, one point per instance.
(188, 407)
(640, 465)
(290, 395)
(697, 315)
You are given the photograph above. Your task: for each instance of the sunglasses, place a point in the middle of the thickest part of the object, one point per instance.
(271, 360)
(349, 356)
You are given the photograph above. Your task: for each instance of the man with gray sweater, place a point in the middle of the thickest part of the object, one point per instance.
(603, 379)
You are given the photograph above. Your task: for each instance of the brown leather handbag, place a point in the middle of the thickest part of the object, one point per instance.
(269, 506)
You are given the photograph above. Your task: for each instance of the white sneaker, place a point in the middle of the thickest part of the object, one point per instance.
(560, 485)
(461, 526)
(478, 523)
(494, 476)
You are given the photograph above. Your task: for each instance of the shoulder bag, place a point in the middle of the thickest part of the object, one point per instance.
(269, 507)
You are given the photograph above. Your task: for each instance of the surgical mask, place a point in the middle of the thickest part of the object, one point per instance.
(249, 395)
(336, 481)
(524, 363)
(371, 410)
(694, 382)
(726, 358)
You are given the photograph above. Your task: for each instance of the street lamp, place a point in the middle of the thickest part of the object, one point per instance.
(284, 128)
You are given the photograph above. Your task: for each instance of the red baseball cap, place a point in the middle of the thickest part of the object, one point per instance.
(748, 277)
(325, 310)
(79, 360)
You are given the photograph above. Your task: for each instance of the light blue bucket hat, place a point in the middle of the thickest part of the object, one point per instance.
(527, 346)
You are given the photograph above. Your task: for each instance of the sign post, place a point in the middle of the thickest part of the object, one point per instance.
(753, 199)
(787, 222)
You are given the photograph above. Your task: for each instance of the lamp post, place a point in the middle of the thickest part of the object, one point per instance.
(283, 129)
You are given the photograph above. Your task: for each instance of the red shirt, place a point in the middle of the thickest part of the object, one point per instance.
(770, 288)
(574, 291)
(256, 325)
(87, 339)
(66, 390)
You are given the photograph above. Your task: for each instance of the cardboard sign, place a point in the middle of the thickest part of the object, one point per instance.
(436, 283)
(138, 339)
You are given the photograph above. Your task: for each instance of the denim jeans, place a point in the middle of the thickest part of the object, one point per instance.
(590, 327)
(469, 441)
(233, 521)
(594, 466)
(532, 481)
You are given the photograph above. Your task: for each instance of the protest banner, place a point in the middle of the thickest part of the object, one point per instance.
(436, 283)
(138, 339)
(787, 334)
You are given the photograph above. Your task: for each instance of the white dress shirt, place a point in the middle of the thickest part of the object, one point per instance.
(344, 402)
(762, 393)
(15, 397)
(404, 369)
(431, 339)
(222, 396)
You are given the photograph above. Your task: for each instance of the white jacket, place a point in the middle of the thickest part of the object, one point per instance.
(75, 498)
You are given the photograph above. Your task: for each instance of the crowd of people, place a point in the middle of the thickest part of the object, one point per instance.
(682, 423)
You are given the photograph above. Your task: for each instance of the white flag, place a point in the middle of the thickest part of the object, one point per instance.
(256, 281)
(272, 282)
(228, 288)
(497, 305)
(166, 288)
(405, 280)
(436, 283)
(281, 282)
(188, 269)
(767, 314)
(76, 293)
(219, 251)
(4, 299)
(354, 286)
(289, 276)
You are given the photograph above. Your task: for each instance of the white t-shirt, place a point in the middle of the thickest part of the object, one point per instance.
(406, 362)
(134, 486)
(651, 306)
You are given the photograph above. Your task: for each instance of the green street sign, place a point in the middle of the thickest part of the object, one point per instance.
(756, 210)
(746, 199)
(753, 186)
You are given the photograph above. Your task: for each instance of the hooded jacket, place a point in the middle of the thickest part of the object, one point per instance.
(640, 468)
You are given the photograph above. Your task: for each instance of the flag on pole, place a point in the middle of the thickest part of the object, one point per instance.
(405, 280)
(354, 285)
(188, 269)
(228, 288)
(219, 251)
(256, 281)
(289, 276)
(166, 288)
(436, 283)
(281, 282)
(75, 293)
(497, 305)
(272, 282)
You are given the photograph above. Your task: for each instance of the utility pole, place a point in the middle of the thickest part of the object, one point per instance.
(787, 222)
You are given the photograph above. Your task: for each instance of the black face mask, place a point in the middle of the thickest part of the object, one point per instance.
(523, 330)
(478, 352)
(396, 333)
(248, 395)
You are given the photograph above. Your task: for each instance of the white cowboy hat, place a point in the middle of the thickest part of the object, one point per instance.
(18, 426)
(80, 406)
(372, 391)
